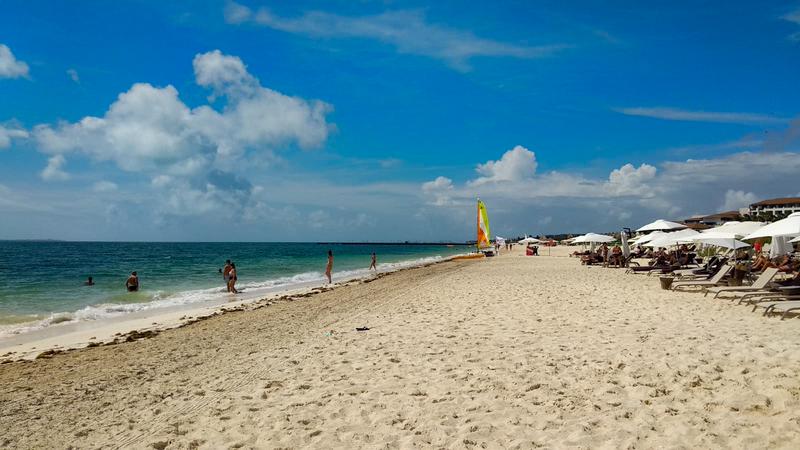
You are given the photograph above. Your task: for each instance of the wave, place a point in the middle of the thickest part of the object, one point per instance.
(159, 300)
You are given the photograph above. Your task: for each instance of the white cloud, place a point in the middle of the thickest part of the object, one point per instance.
(408, 31)
(630, 180)
(73, 75)
(737, 199)
(792, 16)
(516, 164)
(701, 116)
(53, 171)
(104, 186)
(438, 191)
(10, 66)
(149, 127)
(9, 132)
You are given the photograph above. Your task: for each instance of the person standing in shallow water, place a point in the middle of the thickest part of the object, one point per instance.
(132, 283)
(329, 267)
(232, 278)
(374, 263)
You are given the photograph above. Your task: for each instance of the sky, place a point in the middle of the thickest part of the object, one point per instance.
(384, 120)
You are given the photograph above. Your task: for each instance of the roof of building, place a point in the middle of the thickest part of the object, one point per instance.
(778, 201)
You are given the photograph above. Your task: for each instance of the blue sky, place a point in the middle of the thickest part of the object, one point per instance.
(249, 120)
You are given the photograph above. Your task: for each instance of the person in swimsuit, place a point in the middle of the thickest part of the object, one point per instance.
(329, 267)
(374, 263)
(232, 279)
(226, 273)
(89, 282)
(132, 284)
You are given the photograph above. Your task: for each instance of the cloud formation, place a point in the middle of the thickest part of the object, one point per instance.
(9, 132)
(408, 31)
(516, 164)
(10, 66)
(702, 116)
(53, 171)
(629, 196)
(149, 127)
(189, 153)
(734, 200)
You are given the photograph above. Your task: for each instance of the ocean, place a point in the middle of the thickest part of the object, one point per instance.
(41, 283)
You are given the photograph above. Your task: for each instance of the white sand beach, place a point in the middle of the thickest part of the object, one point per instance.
(506, 352)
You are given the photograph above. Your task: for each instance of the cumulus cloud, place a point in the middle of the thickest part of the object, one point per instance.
(630, 180)
(630, 195)
(190, 153)
(10, 66)
(9, 132)
(408, 31)
(149, 127)
(737, 199)
(702, 116)
(53, 171)
(516, 164)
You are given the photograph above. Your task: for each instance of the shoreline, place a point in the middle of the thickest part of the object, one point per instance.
(73, 335)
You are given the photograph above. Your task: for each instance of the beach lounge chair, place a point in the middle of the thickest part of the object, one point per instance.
(758, 285)
(781, 306)
(713, 281)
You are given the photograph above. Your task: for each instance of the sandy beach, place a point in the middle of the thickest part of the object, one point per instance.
(506, 352)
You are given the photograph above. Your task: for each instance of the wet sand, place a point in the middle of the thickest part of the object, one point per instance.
(511, 352)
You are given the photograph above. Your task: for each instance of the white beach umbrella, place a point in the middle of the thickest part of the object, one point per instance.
(722, 242)
(594, 238)
(789, 226)
(647, 237)
(662, 225)
(670, 239)
(529, 240)
(734, 229)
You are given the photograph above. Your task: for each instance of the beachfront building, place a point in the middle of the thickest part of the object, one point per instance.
(773, 208)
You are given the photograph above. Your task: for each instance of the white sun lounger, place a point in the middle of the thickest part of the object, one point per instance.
(757, 285)
(713, 281)
(785, 307)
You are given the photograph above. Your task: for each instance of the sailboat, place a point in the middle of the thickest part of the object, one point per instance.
(483, 243)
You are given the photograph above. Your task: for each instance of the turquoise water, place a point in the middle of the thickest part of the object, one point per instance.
(44, 280)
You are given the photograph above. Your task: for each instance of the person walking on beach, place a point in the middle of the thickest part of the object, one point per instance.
(374, 263)
(132, 283)
(232, 279)
(226, 273)
(329, 267)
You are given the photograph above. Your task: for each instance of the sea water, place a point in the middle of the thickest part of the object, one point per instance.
(41, 283)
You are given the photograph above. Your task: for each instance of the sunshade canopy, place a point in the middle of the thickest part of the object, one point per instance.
(674, 238)
(789, 226)
(593, 237)
(662, 225)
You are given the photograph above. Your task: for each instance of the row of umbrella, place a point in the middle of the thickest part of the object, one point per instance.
(727, 235)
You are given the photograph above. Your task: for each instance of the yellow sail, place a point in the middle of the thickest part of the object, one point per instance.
(483, 226)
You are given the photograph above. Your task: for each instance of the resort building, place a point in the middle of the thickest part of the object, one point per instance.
(776, 206)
